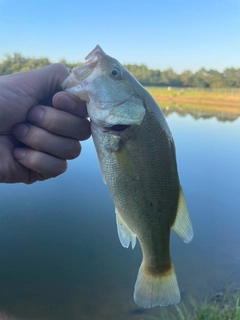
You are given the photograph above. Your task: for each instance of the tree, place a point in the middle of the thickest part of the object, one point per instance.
(203, 78)
(17, 63)
(232, 77)
(187, 79)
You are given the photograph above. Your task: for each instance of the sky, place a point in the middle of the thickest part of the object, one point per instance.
(162, 34)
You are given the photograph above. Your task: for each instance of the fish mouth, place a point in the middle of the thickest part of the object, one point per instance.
(117, 128)
(80, 75)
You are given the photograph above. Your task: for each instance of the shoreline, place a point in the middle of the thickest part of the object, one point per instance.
(203, 102)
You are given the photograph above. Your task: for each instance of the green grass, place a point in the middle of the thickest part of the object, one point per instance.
(193, 93)
(205, 102)
(220, 307)
(197, 96)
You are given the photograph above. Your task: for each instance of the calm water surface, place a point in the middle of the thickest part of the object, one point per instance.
(60, 257)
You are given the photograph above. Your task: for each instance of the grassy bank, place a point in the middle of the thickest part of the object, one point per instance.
(204, 101)
(222, 306)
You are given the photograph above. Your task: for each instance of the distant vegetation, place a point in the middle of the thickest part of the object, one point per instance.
(229, 78)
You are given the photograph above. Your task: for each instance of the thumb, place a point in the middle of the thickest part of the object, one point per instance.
(20, 91)
(46, 81)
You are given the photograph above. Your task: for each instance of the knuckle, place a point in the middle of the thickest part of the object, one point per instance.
(36, 114)
(44, 165)
(59, 67)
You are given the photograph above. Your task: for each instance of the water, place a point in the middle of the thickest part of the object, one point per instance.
(60, 257)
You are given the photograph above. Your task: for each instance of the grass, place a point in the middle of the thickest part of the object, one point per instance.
(219, 307)
(207, 102)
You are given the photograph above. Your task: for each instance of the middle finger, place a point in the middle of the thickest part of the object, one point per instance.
(59, 122)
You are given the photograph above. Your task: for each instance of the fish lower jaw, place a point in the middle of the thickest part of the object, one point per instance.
(75, 88)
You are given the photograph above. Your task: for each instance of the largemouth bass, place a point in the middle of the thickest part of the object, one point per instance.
(137, 156)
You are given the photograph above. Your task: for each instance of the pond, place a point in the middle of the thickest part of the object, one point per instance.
(60, 257)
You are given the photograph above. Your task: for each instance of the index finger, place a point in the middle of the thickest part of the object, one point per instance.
(70, 103)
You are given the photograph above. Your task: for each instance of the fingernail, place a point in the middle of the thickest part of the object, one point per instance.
(20, 130)
(36, 114)
(19, 154)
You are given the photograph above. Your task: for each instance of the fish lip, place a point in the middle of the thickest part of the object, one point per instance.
(95, 55)
(79, 74)
(78, 77)
(69, 83)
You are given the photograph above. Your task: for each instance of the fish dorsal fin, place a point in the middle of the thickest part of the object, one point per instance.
(182, 224)
(124, 233)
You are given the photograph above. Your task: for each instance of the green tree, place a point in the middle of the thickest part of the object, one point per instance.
(215, 79)
(17, 63)
(187, 79)
(202, 78)
(170, 78)
(232, 77)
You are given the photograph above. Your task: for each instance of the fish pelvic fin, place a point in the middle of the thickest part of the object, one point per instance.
(182, 224)
(156, 289)
(124, 233)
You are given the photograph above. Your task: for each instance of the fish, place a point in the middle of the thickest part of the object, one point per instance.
(137, 156)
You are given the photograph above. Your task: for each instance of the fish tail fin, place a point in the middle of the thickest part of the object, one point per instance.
(156, 289)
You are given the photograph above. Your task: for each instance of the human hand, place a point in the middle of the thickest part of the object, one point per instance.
(39, 127)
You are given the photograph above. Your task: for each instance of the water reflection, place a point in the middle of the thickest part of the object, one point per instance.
(199, 113)
(60, 255)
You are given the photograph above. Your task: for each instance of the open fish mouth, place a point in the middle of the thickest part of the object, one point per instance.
(79, 76)
(117, 128)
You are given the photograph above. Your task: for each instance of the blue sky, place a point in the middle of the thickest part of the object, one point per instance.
(187, 34)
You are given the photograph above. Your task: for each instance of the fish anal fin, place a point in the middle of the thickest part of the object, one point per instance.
(158, 289)
(182, 224)
(124, 233)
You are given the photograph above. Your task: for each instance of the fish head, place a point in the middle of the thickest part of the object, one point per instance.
(107, 88)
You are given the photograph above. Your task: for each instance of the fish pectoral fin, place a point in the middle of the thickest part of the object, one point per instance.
(124, 233)
(182, 224)
(126, 163)
(100, 162)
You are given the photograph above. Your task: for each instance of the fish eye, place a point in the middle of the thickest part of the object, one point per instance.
(115, 73)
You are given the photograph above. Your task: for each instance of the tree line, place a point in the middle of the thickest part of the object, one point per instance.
(229, 78)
